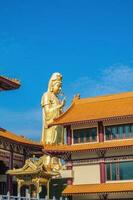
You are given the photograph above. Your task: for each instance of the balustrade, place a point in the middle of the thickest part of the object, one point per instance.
(8, 197)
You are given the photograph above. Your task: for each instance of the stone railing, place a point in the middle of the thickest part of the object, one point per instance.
(8, 197)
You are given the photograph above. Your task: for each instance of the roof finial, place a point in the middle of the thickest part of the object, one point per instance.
(76, 97)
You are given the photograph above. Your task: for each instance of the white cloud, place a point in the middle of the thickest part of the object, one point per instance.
(113, 79)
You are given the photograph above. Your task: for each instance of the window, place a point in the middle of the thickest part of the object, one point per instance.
(84, 135)
(75, 138)
(108, 172)
(119, 171)
(119, 131)
(126, 171)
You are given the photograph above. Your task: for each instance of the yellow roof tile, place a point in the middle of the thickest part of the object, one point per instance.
(11, 136)
(89, 146)
(97, 108)
(98, 188)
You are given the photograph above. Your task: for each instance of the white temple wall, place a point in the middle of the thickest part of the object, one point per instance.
(86, 174)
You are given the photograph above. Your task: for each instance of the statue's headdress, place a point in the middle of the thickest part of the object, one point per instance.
(55, 78)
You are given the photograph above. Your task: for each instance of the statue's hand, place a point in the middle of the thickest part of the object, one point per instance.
(63, 102)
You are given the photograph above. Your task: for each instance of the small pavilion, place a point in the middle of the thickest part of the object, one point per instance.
(35, 174)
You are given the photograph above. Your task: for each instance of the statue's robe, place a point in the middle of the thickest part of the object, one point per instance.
(55, 134)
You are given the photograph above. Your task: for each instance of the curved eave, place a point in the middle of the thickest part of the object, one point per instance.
(8, 84)
(18, 139)
(103, 188)
(95, 109)
(60, 150)
(24, 143)
(18, 172)
(91, 121)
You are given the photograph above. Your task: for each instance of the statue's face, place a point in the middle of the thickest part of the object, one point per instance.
(57, 88)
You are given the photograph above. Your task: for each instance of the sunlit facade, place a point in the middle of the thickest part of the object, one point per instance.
(99, 148)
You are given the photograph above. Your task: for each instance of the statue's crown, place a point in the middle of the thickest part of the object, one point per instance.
(56, 77)
(59, 77)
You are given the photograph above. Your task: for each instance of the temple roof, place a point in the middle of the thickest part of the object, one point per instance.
(88, 146)
(35, 166)
(98, 188)
(8, 84)
(20, 139)
(97, 108)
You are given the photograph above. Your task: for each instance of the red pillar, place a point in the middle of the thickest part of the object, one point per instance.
(69, 142)
(9, 178)
(24, 156)
(101, 131)
(69, 181)
(102, 164)
(69, 167)
(102, 172)
(69, 135)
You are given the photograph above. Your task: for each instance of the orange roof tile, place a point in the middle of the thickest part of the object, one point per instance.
(97, 108)
(98, 188)
(8, 84)
(11, 136)
(89, 146)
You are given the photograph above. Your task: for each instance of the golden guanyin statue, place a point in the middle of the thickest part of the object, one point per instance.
(52, 107)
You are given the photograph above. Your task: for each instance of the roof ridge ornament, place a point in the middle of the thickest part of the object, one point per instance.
(76, 97)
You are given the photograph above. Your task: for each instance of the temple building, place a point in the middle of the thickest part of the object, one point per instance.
(99, 147)
(14, 149)
(97, 151)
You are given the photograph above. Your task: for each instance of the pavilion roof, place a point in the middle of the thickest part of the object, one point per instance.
(98, 188)
(16, 138)
(8, 84)
(98, 108)
(89, 146)
(34, 166)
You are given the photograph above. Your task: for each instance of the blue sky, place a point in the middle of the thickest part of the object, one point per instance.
(89, 41)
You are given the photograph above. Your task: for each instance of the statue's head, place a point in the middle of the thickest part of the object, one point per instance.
(55, 83)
